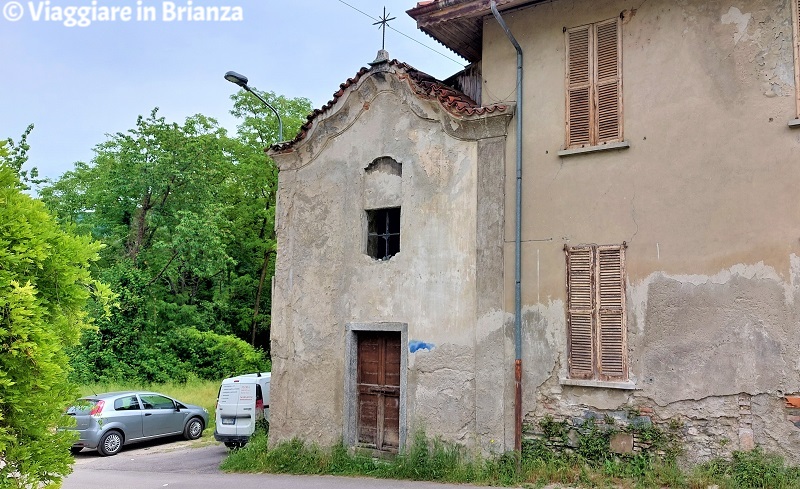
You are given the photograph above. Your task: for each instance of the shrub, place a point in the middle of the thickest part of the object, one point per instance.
(45, 286)
(214, 356)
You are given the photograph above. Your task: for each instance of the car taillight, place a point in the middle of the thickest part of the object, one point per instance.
(97, 409)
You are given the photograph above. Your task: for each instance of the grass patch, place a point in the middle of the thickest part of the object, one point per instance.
(754, 469)
(198, 392)
(424, 460)
(434, 460)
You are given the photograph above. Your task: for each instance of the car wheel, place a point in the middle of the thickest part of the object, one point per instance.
(110, 443)
(233, 445)
(75, 450)
(194, 429)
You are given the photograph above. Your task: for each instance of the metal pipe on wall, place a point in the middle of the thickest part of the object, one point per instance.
(517, 243)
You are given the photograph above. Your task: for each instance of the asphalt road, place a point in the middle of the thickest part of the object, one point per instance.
(189, 465)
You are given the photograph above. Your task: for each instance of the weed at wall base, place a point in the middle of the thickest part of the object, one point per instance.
(440, 461)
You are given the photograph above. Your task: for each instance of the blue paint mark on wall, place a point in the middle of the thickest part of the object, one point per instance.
(416, 345)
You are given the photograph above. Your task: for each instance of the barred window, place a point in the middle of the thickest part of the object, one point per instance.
(383, 233)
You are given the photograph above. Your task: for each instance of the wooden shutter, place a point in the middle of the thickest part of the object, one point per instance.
(579, 87)
(594, 84)
(581, 300)
(612, 364)
(608, 82)
(796, 29)
(596, 312)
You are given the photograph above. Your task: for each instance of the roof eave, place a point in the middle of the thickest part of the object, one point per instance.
(457, 24)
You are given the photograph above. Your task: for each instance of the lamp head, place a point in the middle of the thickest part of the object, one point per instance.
(237, 79)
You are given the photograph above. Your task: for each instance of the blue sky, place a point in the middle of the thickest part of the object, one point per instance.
(77, 84)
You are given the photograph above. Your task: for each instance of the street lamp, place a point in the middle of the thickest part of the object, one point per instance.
(241, 80)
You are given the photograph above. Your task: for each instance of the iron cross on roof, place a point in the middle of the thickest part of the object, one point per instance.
(384, 21)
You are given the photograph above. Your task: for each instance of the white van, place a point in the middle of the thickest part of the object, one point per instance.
(241, 402)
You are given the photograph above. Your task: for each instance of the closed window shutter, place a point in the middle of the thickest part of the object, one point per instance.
(608, 83)
(594, 84)
(579, 87)
(796, 29)
(596, 312)
(581, 299)
(611, 313)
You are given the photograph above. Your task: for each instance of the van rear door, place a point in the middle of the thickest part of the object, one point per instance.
(237, 408)
(246, 410)
(227, 407)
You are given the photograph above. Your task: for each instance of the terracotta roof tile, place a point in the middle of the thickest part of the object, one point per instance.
(424, 85)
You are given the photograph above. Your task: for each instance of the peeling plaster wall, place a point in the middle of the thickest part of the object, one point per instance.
(705, 197)
(324, 279)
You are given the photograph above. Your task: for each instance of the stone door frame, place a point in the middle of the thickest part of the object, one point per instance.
(350, 430)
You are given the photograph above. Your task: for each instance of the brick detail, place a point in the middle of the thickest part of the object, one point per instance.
(746, 436)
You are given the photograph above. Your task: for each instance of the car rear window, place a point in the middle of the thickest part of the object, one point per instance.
(82, 406)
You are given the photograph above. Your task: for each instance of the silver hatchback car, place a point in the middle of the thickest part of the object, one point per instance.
(109, 421)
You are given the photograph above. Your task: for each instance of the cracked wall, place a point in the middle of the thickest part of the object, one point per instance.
(705, 198)
(325, 280)
(714, 355)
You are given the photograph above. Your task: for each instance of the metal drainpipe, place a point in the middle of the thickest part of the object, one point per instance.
(517, 245)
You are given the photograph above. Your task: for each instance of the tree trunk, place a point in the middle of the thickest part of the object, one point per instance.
(139, 228)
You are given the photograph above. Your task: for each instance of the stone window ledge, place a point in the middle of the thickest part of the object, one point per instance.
(794, 122)
(594, 149)
(602, 384)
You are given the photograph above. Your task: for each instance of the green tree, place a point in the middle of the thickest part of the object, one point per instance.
(187, 215)
(256, 181)
(46, 290)
(16, 155)
(155, 195)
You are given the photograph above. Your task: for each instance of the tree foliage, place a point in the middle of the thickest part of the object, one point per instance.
(16, 155)
(187, 216)
(46, 287)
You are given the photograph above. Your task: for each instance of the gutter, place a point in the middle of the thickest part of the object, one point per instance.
(517, 244)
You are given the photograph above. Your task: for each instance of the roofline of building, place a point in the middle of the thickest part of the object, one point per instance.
(457, 24)
(424, 86)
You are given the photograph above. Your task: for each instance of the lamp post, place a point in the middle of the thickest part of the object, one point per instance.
(241, 80)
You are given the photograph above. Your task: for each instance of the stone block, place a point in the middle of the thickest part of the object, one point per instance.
(746, 440)
(573, 439)
(622, 443)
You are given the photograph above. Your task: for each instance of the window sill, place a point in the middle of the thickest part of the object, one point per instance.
(594, 149)
(603, 384)
(794, 122)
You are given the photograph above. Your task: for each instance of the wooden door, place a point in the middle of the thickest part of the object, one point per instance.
(379, 390)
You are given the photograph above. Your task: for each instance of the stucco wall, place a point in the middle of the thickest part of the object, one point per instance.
(705, 198)
(324, 280)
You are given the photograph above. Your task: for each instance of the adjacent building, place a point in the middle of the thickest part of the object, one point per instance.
(659, 236)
